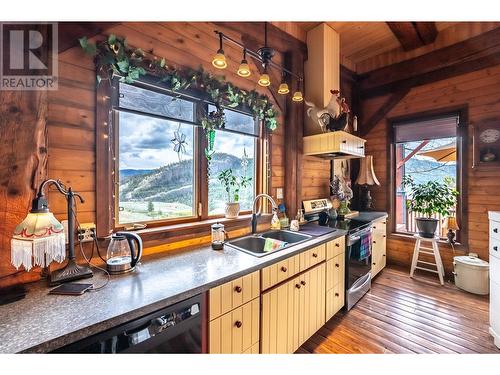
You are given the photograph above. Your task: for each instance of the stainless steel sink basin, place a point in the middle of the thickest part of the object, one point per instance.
(255, 244)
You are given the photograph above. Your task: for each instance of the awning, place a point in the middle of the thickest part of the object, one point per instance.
(442, 154)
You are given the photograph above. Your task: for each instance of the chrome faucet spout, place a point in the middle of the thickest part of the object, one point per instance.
(255, 214)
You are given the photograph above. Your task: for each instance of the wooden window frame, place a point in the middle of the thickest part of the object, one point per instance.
(462, 166)
(107, 159)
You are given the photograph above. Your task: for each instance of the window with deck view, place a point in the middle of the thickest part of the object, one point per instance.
(160, 159)
(426, 150)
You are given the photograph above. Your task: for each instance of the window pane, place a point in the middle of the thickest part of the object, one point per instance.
(239, 122)
(148, 101)
(237, 152)
(424, 161)
(156, 181)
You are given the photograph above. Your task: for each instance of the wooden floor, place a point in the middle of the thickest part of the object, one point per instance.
(404, 315)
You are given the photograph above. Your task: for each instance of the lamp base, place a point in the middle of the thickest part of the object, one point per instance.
(365, 199)
(70, 272)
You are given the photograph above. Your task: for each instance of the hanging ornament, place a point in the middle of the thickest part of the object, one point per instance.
(179, 142)
(244, 161)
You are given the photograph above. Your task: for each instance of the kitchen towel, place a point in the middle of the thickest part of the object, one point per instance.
(365, 248)
(271, 244)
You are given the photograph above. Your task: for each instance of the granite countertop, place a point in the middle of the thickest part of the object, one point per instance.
(43, 322)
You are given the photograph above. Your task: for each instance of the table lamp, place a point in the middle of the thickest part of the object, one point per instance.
(39, 239)
(366, 178)
(452, 228)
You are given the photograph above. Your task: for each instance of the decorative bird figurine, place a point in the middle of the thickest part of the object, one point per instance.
(320, 116)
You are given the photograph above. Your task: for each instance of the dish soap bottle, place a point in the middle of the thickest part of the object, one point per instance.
(275, 221)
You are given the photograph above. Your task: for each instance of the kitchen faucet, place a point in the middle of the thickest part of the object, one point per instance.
(254, 214)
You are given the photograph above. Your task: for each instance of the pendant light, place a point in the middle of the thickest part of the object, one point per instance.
(264, 80)
(283, 89)
(219, 60)
(297, 95)
(244, 69)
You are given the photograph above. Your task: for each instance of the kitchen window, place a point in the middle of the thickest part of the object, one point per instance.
(159, 164)
(427, 148)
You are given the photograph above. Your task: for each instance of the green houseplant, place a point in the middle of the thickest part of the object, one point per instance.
(232, 186)
(431, 197)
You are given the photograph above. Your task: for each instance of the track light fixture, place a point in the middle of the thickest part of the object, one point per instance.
(265, 55)
(219, 60)
(244, 69)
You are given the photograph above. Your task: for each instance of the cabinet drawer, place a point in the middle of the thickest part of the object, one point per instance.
(380, 227)
(278, 272)
(335, 247)
(233, 294)
(312, 257)
(335, 271)
(237, 331)
(495, 229)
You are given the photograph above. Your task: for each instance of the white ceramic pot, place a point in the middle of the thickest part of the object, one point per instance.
(232, 210)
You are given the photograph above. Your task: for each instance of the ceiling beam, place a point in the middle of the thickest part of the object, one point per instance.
(473, 54)
(383, 111)
(70, 32)
(412, 35)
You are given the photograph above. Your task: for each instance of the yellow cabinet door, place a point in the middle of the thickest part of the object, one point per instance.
(378, 252)
(280, 318)
(237, 331)
(335, 283)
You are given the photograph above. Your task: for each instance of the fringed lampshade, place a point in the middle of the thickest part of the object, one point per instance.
(38, 241)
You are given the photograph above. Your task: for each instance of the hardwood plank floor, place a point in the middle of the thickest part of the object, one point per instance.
(404, 315)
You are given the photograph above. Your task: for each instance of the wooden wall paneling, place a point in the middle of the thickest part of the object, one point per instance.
(475, 90)
(23, 137)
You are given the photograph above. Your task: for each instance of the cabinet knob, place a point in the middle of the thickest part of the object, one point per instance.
(374, 264)
(337, 245)
(361, 146)
(238, 324)
(383, 255)
(374, 241)
(237, 289)
(495, 230)
(284, 269)
(315, 255)
(303, 282)
(495, 248)
(337, 265)
(297, 286)
(336, 294)
(344, 141)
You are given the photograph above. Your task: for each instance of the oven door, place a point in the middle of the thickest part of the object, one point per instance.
(357, 268)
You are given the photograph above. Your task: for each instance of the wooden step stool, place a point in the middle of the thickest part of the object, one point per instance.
(434, 250)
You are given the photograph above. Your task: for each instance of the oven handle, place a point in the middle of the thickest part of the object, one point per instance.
(360, 283)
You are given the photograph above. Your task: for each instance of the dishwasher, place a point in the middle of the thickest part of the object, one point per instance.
(174, 329)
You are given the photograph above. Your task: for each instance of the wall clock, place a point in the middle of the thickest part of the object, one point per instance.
(486, 144)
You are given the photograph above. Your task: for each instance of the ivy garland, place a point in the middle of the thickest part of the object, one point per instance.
(113, 57)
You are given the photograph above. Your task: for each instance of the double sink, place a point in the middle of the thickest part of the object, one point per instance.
(256, 244)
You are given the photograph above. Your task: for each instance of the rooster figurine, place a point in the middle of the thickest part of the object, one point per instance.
(335, 116)
(332, 110)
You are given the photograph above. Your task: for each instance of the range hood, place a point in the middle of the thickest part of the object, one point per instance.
(334, 145)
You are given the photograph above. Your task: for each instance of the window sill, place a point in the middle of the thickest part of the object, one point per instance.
(168, 233)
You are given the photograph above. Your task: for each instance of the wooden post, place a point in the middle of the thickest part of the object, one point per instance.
(23, 165)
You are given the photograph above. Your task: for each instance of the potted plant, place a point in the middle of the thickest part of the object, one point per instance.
(232, 185)
(431, 197)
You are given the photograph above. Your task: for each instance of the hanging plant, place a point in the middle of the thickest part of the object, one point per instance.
(113, 57)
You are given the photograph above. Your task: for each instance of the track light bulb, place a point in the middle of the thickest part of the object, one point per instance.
(244, 69)
(219, 60)
(283, 89)
(297, 96)
(264, 80)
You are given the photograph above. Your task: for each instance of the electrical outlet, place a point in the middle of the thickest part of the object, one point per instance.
(86, 232)
(279, 193)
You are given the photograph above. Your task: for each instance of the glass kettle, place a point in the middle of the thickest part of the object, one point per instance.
(124, 251)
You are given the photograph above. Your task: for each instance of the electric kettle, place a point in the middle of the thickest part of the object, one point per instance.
(124, 251)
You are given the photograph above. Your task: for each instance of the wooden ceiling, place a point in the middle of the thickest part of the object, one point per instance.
(360, 41)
